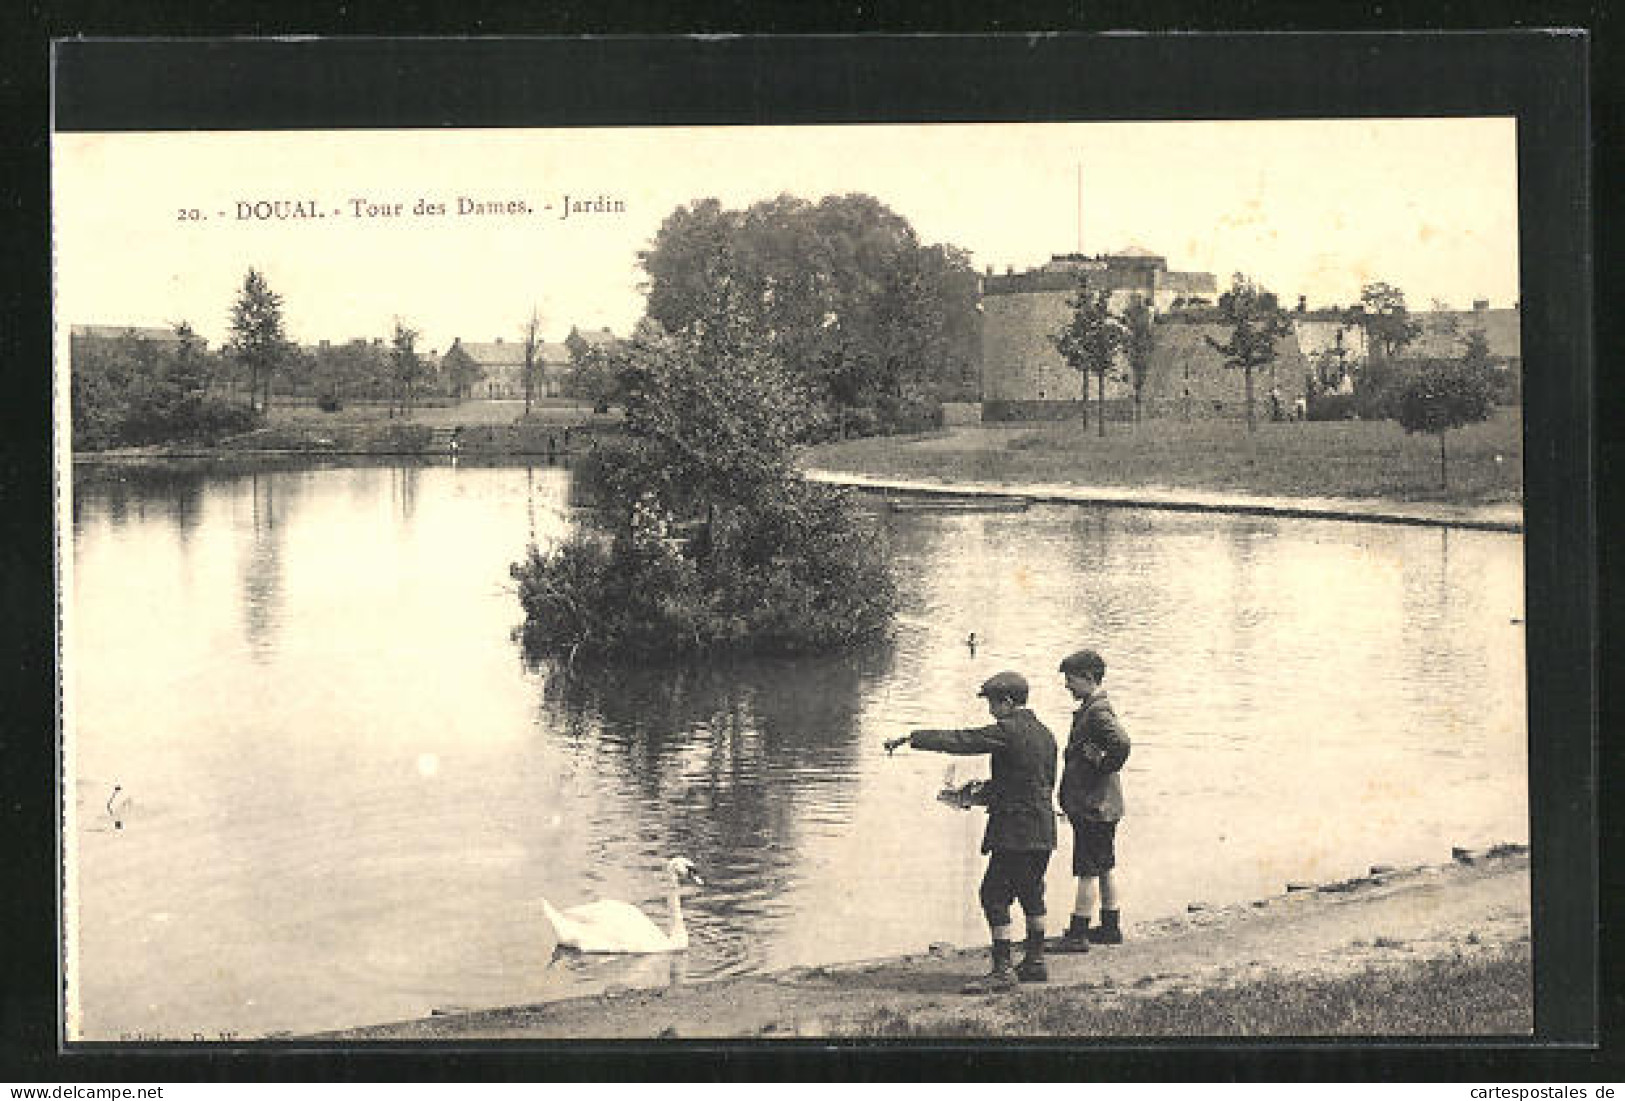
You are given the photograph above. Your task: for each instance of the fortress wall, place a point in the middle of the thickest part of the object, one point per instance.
(1019, 362)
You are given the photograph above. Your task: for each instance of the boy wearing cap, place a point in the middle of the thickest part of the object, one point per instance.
(1020, 825)
(1092, 799)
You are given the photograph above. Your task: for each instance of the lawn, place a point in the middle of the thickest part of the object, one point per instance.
(1362, 459)
(459, 414)
(1486, 995)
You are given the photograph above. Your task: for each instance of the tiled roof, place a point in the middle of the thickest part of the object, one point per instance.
(505, 353)
(1191, 282)
(114, 332)
(1501, 327)
(497, 353)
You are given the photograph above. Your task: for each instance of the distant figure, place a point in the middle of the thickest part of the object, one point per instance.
(1275, 404)
(1092, 799)
(971, 642)
(1020, 821)
(1300, 409)
(456, 443)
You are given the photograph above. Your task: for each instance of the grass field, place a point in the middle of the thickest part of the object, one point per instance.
(465, 414)
(1484, 995)
(1368, 459)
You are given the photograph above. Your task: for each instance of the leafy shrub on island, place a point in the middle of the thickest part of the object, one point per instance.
(792, 575)
(710, 541)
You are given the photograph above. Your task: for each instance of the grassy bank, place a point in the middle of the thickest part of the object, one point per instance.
(489, 429)
(1357, 459)
(1489, 994)
(452, 415)
(1426, 951)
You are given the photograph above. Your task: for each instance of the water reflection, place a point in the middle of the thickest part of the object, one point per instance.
(404, 489)
(262, 568)
(376, 790)
(730, 761)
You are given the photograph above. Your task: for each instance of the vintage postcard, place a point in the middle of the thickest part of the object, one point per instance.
(960, 579)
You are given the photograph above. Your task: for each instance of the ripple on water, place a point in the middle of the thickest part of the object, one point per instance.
(272, 714)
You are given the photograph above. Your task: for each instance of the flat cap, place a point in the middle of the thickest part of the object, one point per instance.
(1005, 685)
(1084, 661)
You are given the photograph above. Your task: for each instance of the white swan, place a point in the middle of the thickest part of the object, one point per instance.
(610, 926)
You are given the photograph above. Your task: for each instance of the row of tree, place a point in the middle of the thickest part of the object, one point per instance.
(258, 345)
(1093, 337)
(1094, 340)
(1430, 395)
(131, 389)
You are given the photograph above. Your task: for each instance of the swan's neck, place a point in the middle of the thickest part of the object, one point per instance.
(674, 902)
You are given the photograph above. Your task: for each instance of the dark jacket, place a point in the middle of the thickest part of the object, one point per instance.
(1095, 752)
(1020, 808)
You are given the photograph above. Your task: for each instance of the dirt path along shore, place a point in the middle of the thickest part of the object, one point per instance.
(1401, 921)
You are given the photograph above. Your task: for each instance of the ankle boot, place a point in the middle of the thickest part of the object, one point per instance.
(1032, 967)
(1110, 930)
(1076, 938)
(1001, 978)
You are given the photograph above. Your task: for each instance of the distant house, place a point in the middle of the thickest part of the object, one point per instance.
(1333, 346)
(1024, 377)
(501, 366)
(600, 339)
(1443, 332)
(158, 335)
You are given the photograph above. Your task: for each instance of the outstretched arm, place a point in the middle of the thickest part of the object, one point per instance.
(962, 743)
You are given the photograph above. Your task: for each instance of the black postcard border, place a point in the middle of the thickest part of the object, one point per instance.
(1540, 77)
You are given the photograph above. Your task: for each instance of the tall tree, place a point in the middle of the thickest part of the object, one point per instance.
(1256, 323)
(1387, 323)
(406, 366)
(1090, 339)
(1445, 394)
(1475, 349)
(355, 367)
(189, 367)
(533, 342)
(840, 292)
(257, 337)
(1140, 340)
(1442, 320)
(591, 376)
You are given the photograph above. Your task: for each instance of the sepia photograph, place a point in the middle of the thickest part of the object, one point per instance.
(932, 580)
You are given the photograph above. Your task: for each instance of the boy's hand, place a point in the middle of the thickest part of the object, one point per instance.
(893, 743)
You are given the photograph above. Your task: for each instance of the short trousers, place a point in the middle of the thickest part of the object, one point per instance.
(1094, 847)
(1012, 875)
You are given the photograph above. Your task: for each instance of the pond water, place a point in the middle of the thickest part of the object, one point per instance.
(313, 784)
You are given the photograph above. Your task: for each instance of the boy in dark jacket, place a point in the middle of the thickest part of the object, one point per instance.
(1092, 798)
(1020, 824)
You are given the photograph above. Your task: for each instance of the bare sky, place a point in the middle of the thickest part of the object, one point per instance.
(1313, 208)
